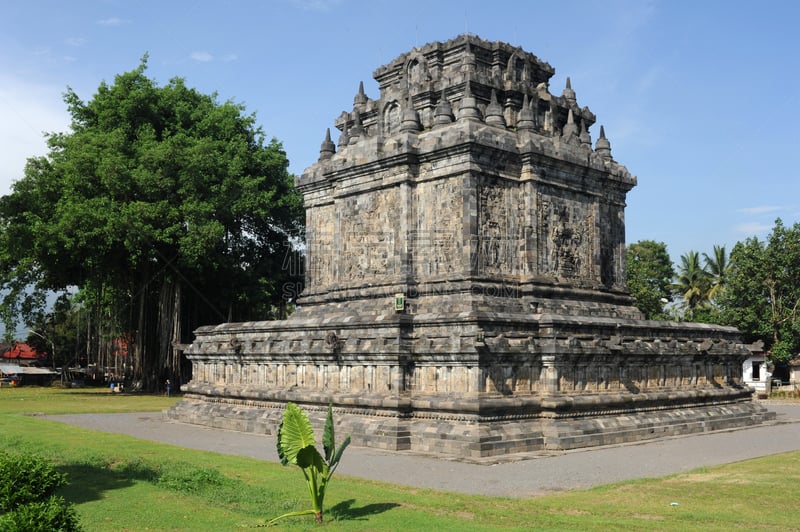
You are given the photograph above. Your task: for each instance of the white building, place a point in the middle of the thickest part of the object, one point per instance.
(754, 369)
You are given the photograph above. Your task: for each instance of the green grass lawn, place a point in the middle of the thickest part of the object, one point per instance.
(122, 483)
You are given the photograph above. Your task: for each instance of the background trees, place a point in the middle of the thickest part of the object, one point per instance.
(756, 288)
(762, 293)
(650, 273)
(165, 208)
(717, 266)
(692, 283)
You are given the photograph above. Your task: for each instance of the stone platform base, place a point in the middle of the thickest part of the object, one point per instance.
(400, 424)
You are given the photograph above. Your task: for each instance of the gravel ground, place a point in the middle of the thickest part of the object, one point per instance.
(524, 476)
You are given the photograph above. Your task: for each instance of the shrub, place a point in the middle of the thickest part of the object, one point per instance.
(51, 515)
(27, 495)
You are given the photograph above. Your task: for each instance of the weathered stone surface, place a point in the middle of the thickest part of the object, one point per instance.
(474, 193)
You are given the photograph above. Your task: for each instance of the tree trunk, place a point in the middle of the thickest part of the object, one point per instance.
(140, 338)
(175, 363)
(169, 329)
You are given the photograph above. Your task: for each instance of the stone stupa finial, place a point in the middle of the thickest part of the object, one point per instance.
(585, 138)
(443, 114)
(568, 93)
(328, 148)
(410, 118)
(360, 98)
(344, 138)
(357, 131)
(526, 120)
(603, 147)
(570, 131)
(494, 112)
(468, 108)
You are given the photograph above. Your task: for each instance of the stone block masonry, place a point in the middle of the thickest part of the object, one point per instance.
(465, 282)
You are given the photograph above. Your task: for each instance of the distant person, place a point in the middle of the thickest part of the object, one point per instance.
(169, 388)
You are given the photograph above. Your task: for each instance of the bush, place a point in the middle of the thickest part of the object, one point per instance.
(54, 514)
(26, 478)
(27, 495)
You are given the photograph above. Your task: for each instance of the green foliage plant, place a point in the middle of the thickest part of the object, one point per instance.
(649, 274)
(296, 447)
(53, 514)
(692, 283)
(762, 292)
(27, 495)
(159, 191)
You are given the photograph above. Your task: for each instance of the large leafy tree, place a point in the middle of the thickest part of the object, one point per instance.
(762, 296)
(692, 283)
(649, 275)
(166, 208)
(717, 265)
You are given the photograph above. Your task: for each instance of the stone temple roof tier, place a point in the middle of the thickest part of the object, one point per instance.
(469, 72)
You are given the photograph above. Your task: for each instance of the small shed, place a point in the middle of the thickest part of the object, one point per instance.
(754, 368)
(27, 374)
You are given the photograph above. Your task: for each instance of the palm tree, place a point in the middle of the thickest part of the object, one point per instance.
(692, 282)
(717, 268)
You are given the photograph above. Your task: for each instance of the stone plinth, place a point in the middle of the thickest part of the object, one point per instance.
(465, 282)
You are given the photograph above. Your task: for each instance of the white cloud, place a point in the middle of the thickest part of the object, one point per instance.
(112, 21)
(315, 5)
(207, 57)
(761, 209)
(202, 57)
(75, 41)
(752, 228)
(28, 110)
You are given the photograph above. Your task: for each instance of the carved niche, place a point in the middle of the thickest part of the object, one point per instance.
(368, 229)
(499, 233)
(436, 244)
(566, 237)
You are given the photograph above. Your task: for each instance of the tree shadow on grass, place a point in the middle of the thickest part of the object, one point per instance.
(88, 482)
(344, 511)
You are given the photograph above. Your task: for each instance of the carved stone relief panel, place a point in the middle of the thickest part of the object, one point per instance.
(500, 236)
(612, 246)
(567, 235)
(437, 240)
(368, 232)
(319, 243)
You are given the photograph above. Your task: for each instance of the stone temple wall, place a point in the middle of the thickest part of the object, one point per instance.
(465, 282)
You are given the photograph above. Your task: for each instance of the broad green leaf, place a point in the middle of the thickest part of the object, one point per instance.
(296, 432)
(309, 457)
(328, 436)
(281, 454)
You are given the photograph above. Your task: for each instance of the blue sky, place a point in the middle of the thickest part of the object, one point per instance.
(700, 99)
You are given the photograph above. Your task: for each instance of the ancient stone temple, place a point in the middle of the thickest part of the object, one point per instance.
(465, 282)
